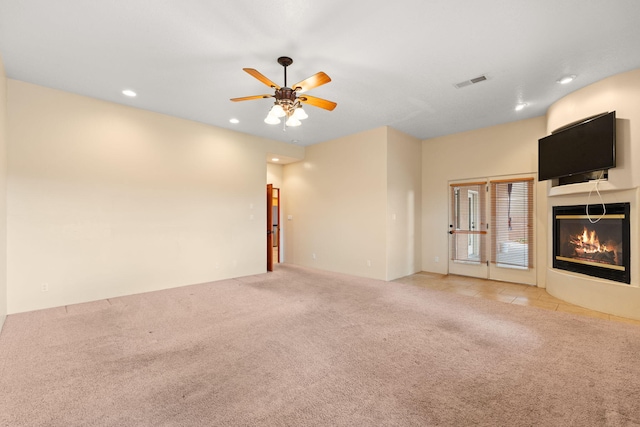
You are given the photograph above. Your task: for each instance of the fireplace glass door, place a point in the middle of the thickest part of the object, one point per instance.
(593, 240)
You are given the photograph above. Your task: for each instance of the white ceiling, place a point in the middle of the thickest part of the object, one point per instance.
(392, 63)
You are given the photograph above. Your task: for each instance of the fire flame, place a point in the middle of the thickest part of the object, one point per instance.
(588, 241)
(588, 244)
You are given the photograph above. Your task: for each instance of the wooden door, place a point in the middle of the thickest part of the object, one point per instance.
(275, 220)
(269, 227)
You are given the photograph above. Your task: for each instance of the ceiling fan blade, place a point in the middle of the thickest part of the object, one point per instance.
(261, 77)
(318, 102)
(249, 98)
(318, 79)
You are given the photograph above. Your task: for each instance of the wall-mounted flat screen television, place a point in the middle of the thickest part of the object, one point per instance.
(586, 146)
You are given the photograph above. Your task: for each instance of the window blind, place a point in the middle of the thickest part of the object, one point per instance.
(512, 222)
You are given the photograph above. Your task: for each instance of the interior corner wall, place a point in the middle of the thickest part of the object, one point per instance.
(404, 204)
(336, 199)
(507, 149)
(106, 200)
(3, 194)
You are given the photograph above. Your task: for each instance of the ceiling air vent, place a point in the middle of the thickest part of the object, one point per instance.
(471, 81)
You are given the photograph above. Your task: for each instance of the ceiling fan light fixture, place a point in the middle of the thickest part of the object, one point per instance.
(300, 114)
(277, 111)
(293, 121)
(271, 119)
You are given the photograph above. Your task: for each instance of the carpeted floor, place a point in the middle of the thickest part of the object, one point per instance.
(301, 347)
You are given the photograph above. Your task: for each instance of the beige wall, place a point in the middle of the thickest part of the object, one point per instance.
(337, 200)
(404, 202)
(3, 192)
(508, 149)
(107, 200)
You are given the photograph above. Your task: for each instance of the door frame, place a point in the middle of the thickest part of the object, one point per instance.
(269, 227)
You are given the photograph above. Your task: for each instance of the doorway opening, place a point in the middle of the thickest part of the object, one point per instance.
(275, 226)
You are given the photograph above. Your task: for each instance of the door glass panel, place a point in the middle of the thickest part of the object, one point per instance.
(473, 239)
(468, 227)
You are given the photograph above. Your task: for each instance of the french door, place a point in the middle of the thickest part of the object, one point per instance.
(468, 229)
(491, 229)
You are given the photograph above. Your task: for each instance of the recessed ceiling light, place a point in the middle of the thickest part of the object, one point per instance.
(129, 93)
(566, 79)
(521, 106)
(234, 121)
(275, 159)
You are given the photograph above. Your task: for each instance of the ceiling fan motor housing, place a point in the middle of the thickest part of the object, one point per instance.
(286, 94)
(287, 99)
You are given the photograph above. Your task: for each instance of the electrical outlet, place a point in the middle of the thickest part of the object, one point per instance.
(437, 259)
(313, 255)
(368, 263)
(45, 287)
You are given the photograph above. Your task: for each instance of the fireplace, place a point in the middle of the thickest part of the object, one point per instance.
(595, 243)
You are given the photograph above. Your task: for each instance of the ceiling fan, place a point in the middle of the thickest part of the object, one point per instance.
(288, 103)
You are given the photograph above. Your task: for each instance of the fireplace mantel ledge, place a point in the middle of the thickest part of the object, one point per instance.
(584, 188)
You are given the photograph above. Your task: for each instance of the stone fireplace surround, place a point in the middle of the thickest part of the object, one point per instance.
(617, 93)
